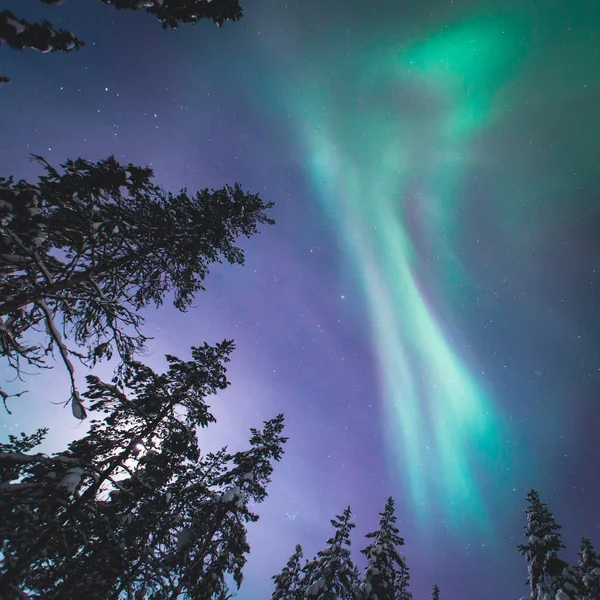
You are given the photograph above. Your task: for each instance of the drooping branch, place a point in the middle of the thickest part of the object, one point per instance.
(77, 407)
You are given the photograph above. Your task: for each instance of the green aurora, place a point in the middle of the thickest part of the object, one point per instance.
(393, 144)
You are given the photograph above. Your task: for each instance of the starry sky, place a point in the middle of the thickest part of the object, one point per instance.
(426, 311)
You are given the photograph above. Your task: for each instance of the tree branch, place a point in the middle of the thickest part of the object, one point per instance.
(79, 411)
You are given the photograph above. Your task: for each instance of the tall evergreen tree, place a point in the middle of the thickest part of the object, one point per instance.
(132, 507)
(83, 250)
(588, 571)
(332, 574)
(384, 562)
(435, 594)
(288, 582)
(545, 568)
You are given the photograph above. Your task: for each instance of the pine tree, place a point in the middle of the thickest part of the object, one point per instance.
(287, 583)
(332, 574)
(435, 594)
(384, 561)
(19, 34)
(545, 568)
(588, 571)
(83, 250)
(132, 506)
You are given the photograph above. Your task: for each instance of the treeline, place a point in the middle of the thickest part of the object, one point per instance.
(332, 575)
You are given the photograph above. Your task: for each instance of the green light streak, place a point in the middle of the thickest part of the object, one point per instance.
(441, 424)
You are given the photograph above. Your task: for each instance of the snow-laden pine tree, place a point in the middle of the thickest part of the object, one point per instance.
(288, 582)
(435, 594)
(588, 571)
(132, 509)
(384, 562)
(544, 567)
(84, 249)
(332, 574)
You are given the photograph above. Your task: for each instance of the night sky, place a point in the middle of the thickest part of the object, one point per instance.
(426, 311)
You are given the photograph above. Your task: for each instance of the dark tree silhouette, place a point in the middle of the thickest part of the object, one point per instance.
(588, 571)
(332, 575)
(383, 559)
(173, 13)
(402, 582)
(20, 33)
(133, 507)
(541, 551)
(288, 583)
(83, 250)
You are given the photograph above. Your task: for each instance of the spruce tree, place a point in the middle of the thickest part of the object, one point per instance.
(84, 249)
(332, 574)
(435, 594)
(287, 583)
(588, 571)
(544, 568)
(384, 562)
(133, 507)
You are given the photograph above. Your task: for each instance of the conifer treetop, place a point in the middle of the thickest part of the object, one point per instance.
(134, 505)
(84, 249)
(543, 544)
(332, 574)
(382, 575)
(288, 581)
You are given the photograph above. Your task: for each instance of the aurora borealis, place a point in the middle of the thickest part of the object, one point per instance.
(426, 310)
